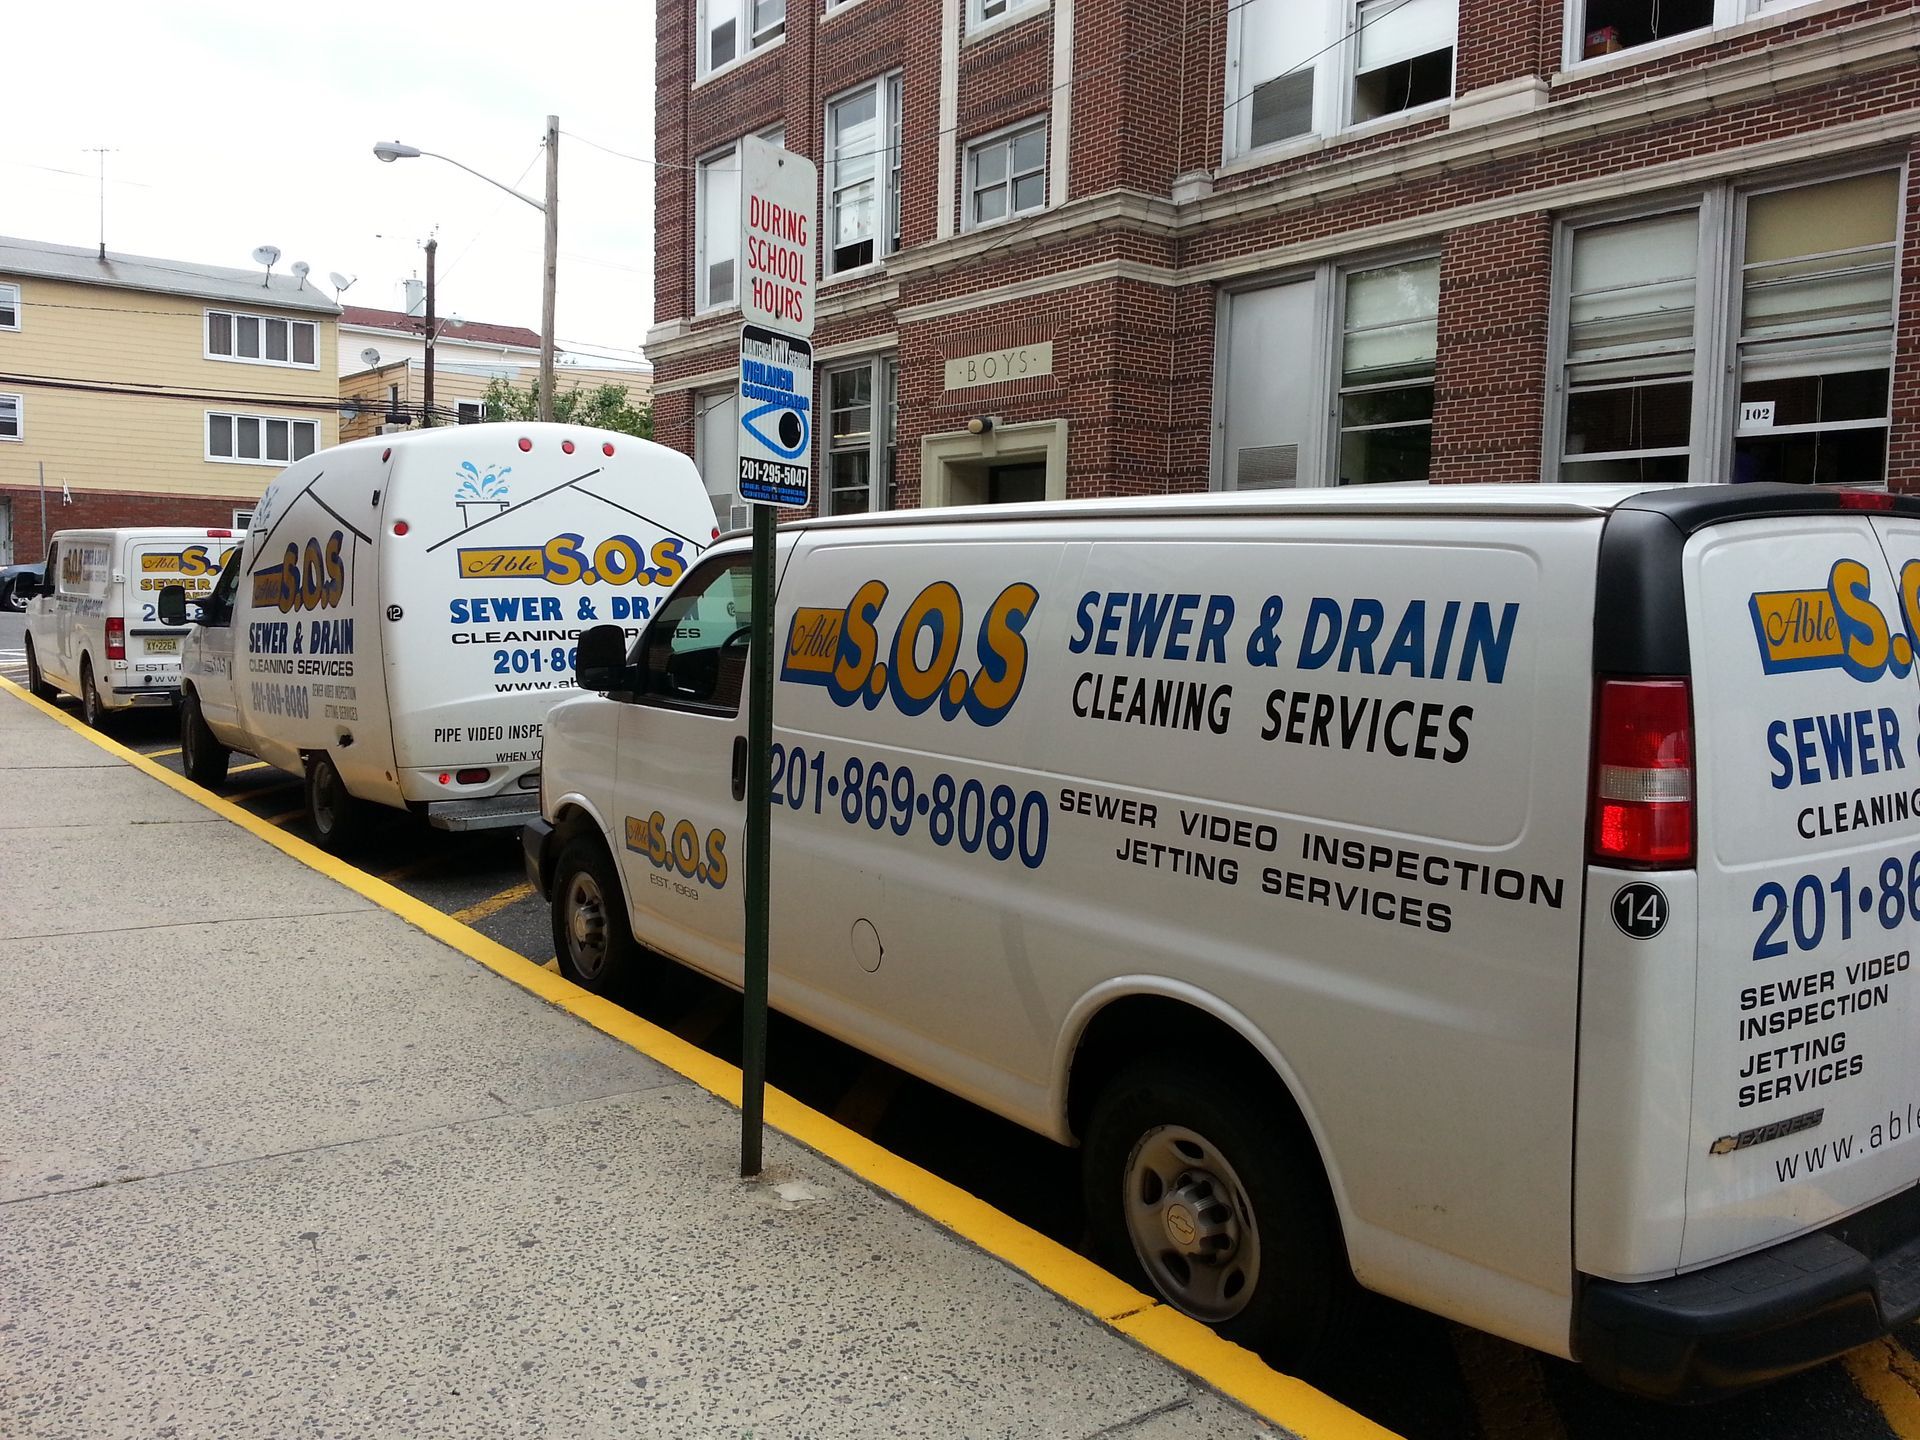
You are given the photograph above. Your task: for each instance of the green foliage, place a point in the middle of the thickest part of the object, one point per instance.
(605, 407)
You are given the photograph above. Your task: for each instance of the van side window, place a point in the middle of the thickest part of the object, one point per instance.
(50, 579)
(696, 647)
(217, 608)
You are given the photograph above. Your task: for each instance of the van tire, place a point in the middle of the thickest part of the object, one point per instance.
(92, 708)
(592, 939)
(37, 685)
(1290, 1296)
(202, 757)
(335, 815)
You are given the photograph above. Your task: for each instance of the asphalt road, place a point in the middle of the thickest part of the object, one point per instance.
(1423, 1377)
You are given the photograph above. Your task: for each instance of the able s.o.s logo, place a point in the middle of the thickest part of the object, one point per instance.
(312, 576)
(565, 560)
(844, 651)
(1838, 628)
(191, 561)
(680, 849)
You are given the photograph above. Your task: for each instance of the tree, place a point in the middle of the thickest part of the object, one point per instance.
(605, 407)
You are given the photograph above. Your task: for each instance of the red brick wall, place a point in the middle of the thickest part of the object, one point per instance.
(105, 509)
(1490, 375)
(1502, 40)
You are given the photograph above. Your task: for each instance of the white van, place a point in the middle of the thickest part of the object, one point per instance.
(1503, 895)
(93, 623)
(405, 610)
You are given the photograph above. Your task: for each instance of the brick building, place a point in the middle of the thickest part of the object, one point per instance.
(1169, 245)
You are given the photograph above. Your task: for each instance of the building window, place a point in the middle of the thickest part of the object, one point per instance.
(1007, 175)
(259, 439)
(985, 12)
(732, 29)
(243, 520)
(469, 412)
(863, 424)
(717, 454)
(1404, 57)
(1628, 375)
(1605, 27)
(863, 175)
(261, 339)
(9, 306)
(716, 208)
(12, 426)
(1815, 347)
(1309, 67)
(1389, 327)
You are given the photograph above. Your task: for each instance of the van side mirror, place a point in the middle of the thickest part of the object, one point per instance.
(601, 661)
(173, 605)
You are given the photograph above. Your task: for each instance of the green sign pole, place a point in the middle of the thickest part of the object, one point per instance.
(753, 1028)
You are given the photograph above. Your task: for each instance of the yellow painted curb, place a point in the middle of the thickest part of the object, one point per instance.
(1227, 1367)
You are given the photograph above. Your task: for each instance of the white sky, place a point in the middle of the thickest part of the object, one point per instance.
(240, 124)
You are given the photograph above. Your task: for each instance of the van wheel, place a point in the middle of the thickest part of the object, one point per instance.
(202, 757)
(1197, 1192)
(37, 685)
(333, 812)
(92, 708)
(591, 937)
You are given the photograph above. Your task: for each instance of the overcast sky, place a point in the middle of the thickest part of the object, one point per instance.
(239, 124)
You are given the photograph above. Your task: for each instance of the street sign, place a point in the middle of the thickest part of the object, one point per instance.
(776, 417)
(777, 190)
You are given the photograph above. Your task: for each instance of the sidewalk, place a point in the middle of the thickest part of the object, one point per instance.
(275, 1162)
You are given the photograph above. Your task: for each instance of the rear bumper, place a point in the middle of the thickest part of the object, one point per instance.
(123, 696)
(493, 812)
(1786, 1308)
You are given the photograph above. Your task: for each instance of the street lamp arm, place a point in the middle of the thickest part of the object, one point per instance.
(488, 178)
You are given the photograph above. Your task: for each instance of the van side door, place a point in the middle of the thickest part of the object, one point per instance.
(678, 806)
(212, 659)
(43, 619)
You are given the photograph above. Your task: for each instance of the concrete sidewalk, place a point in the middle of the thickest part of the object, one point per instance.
(275, 1162)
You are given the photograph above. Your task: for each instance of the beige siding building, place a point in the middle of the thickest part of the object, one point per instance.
(395, 394)
(152, 391)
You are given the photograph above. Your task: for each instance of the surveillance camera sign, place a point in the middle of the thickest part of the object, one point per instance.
(776, 417)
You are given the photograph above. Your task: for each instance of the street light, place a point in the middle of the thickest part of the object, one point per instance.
(390, 150)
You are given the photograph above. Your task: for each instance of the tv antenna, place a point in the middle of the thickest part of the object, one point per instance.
(266, 255)
(103, 151)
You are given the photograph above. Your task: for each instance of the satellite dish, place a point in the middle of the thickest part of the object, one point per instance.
(341, 282)
(456, 319)
(300, 270)
(370, 357)
(268, 255)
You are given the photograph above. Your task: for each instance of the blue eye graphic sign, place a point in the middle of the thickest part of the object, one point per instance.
(776, 417)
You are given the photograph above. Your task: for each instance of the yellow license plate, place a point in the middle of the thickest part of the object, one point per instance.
(163, 645)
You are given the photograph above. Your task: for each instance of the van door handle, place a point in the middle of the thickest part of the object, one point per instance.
(739, 767)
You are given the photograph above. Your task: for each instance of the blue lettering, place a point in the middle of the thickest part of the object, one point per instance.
(1083, 622)
(1408, 647)
(1145, 623)
(1485, 644)
(1182, 626)
(1363, 625)
(1782, 775)
(1110, 620)
(1317, 648)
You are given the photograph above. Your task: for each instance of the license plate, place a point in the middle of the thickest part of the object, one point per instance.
(163, 645)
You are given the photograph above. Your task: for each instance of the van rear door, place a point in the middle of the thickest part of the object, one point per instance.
(1806, 1070)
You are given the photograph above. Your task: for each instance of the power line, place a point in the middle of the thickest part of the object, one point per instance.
(136, 390)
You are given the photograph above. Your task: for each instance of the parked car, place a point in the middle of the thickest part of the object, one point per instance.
(14, 595)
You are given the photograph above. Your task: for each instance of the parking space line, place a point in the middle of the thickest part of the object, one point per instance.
(282, 818)
(493, 904)
(250, 765)
(1235, 1372)
(160, 754)
(1889, 1377)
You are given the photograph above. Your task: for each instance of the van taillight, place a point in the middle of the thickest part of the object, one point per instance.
(116, 638)
(1643, 773)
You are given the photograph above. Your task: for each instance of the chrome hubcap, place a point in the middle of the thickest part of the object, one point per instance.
(1191, 1223)
(586, 923)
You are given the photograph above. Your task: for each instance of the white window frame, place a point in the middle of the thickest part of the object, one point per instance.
(18, 404)
(1715, 377)
(461, 407)
(710, 13)
(243, 520)
(704, 401)
(1726, 15)
(883, 431)
(988, 15)
(724, 162)
(1333, 59)
(234, 317)
(234, 418)
(10, 299)
(1318, 464)
(970, 161)
(887, 106)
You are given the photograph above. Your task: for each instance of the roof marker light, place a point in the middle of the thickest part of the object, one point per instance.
(525, 443)
(400, 527)
(566, 447)
(1865, 500)
(607, 449)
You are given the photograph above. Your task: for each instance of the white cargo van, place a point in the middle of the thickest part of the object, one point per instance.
(1504, 895)
(405, 610)
(93, 623)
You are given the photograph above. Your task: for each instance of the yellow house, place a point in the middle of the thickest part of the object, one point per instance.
(394, 394)
(152, 391)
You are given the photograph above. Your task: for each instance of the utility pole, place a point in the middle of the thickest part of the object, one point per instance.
(43, 509)
(552, 209)
(433, 244)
